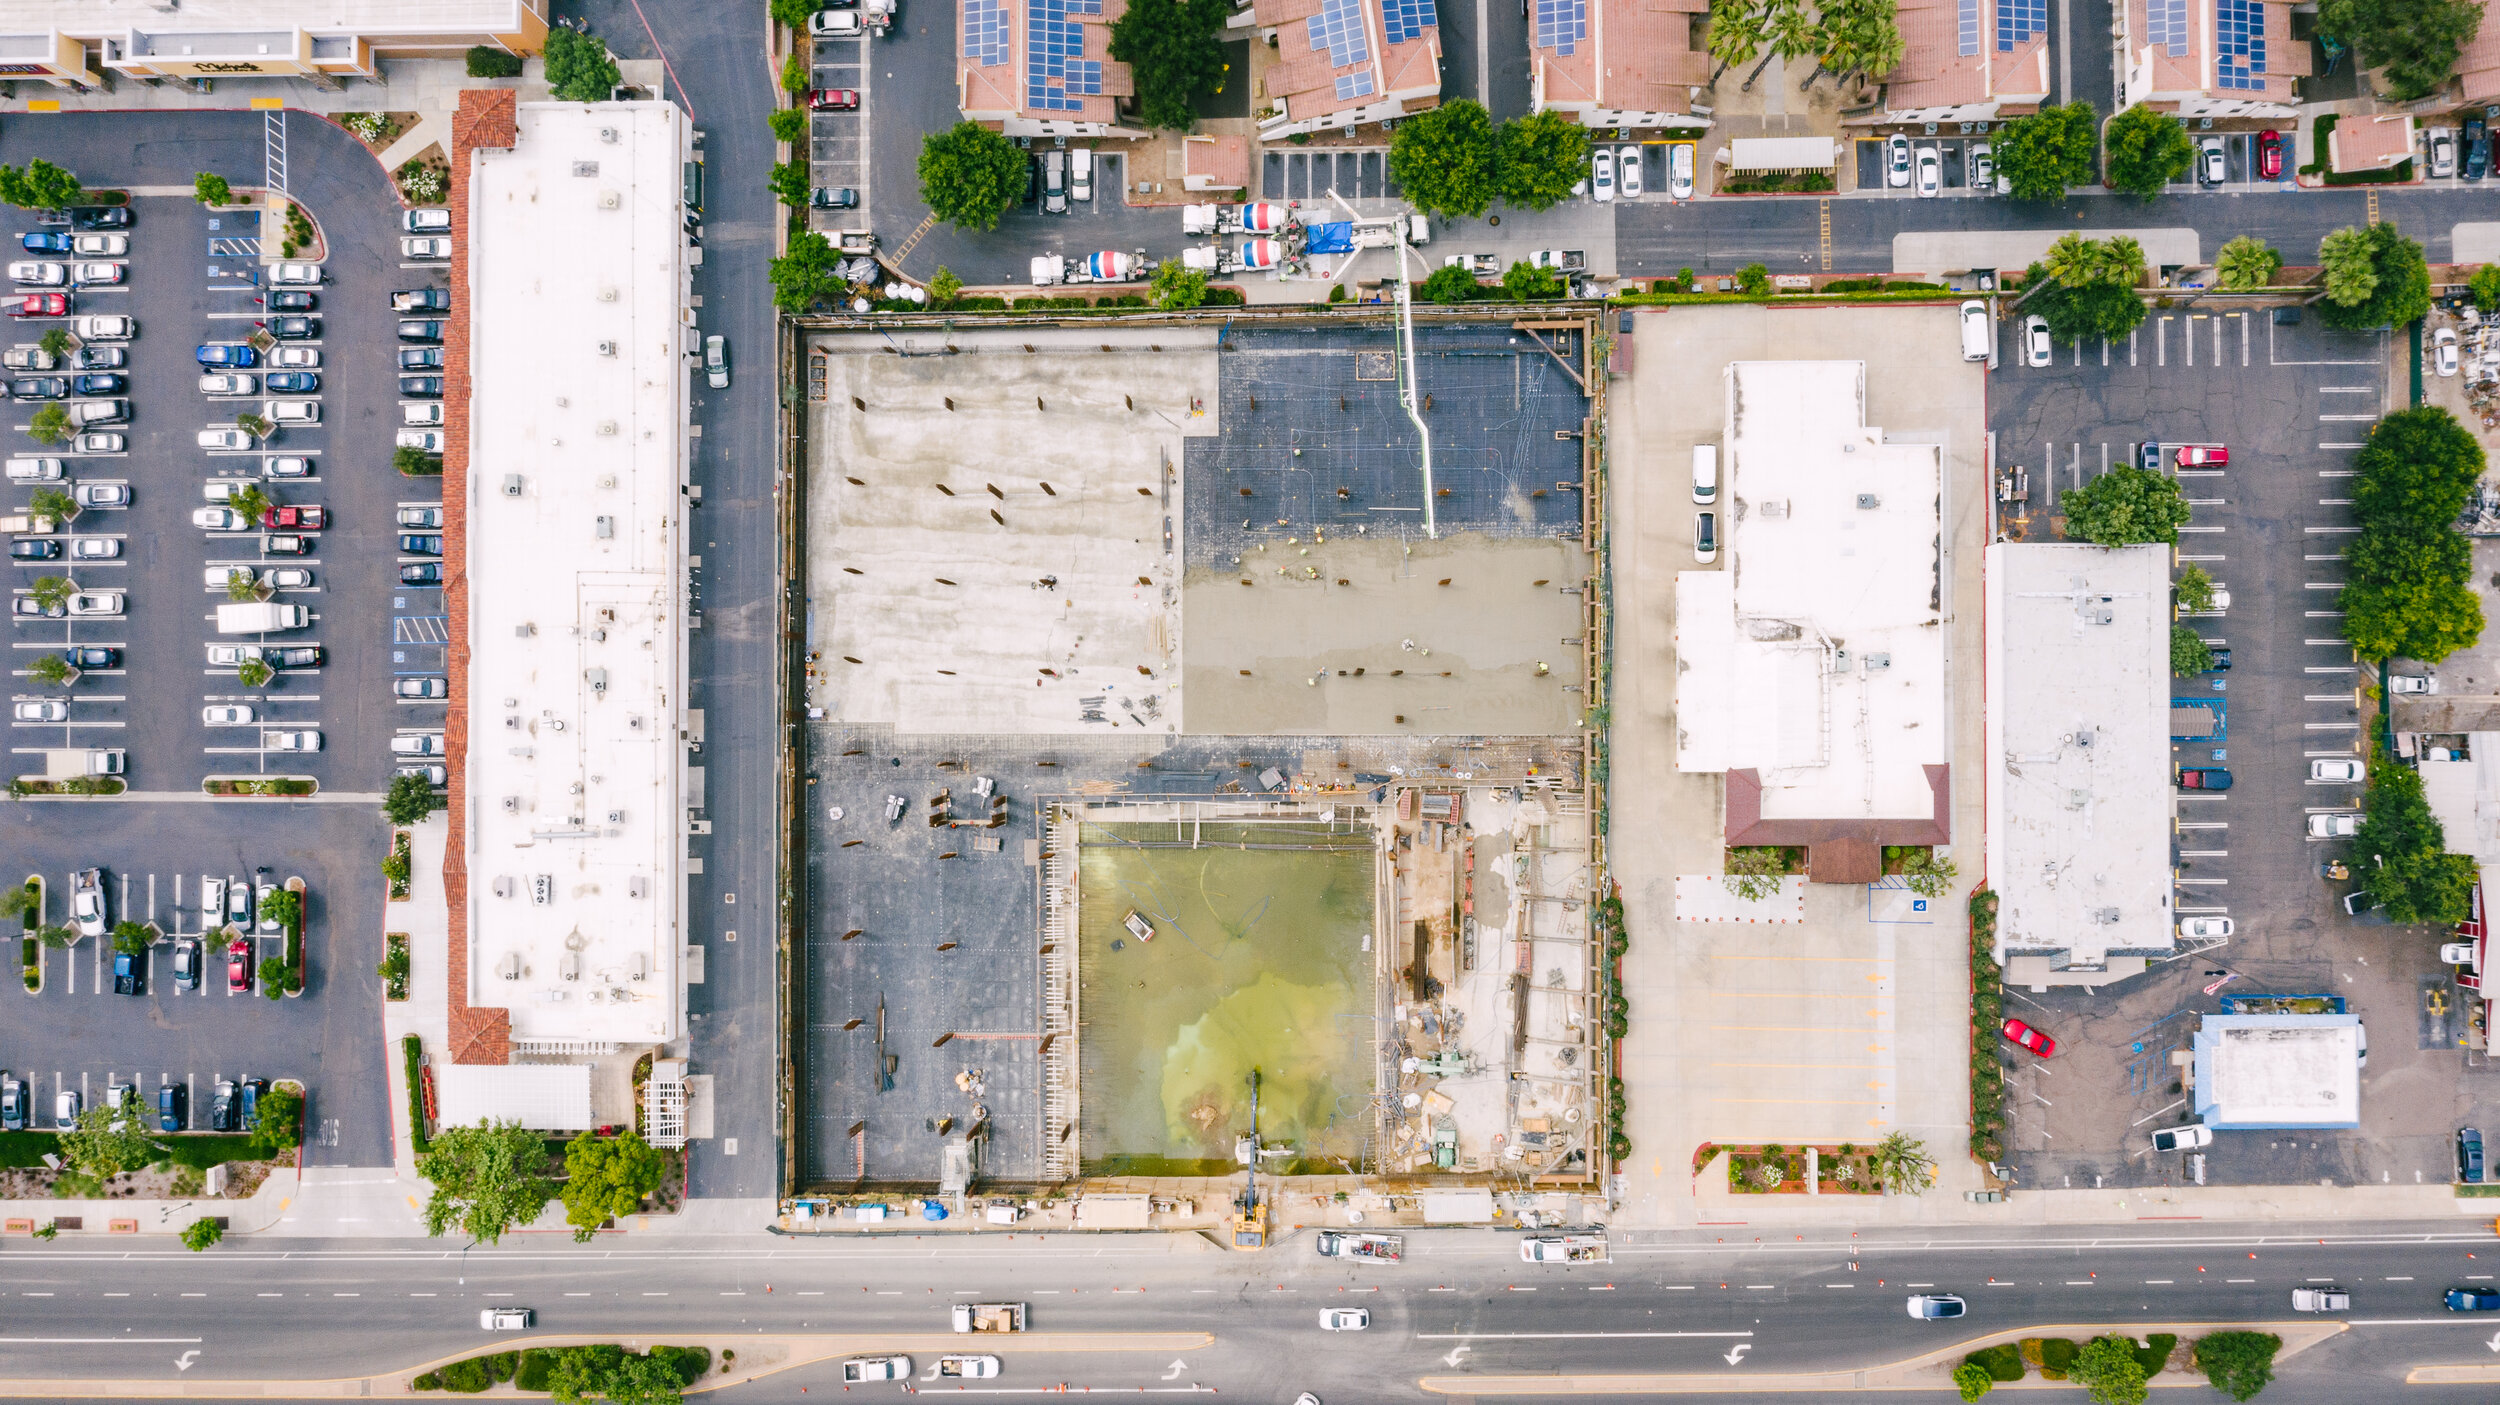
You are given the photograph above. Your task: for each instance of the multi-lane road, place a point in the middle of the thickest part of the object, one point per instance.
(1462, 1305)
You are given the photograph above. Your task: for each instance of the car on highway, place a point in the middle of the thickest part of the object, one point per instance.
(1897, 161)
(2343, 826)
(2328, 1299)
(2037, 349)
(2037, 1041)
(2204, 778)
(226, 715)
(229, 383)
(102, 494)
(186, 963)
(1937, 1307)
(292, 382)
(968, 1368)
(872, 1368)
(2339, 770)
(2470, 1155)
(2205, 928)
(98, 441)
(2444, 351)
(1344, 1319)
(2211, 166)
(2183, 1138)
(420, 689)
(87, 909)
(421, 517)
(505, 1319)
(2270, 155)
(1602, 174)
(1628, 170)
(716, 362)
(2458, 1299)
(41, 710)
(833, 99)
(1930, 172)
(294, 328)
(286, 466)
(426, 222)
(2201, 456)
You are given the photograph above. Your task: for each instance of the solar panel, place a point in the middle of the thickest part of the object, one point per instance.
(985, 32)
(2240, 51)
(1354, 85)
(2018, 21)
(1057, 75)
(2166, 26)
(1968, 27)
(1404, 19)
(1338, 28)
(1561, 24)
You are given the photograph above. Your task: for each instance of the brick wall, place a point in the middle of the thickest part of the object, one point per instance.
(483, 1034)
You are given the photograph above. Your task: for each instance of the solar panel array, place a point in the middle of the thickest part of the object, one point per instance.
(1057, 75)
(2019, 20)
(2166, 26)
(1969, 27)
(1561, 24)
(1338, 28)
(1354, 85)
(2241, 62)
(985, 32)
(1405, 19)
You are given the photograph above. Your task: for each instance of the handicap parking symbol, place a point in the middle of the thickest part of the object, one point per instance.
(1918, 905)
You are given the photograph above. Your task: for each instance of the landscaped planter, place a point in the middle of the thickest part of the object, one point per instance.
(261, 787)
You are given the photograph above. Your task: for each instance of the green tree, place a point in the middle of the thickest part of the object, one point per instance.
(2413, 43)
(1901, 1162)
(254, 425)
(39, 186)
(2418, 466)
(2124, 507)
(282, 906)
(1928, 873)
(201, 1235)
(2147, 150)
(1175, 53)
(51, 592)
(487, 61)
(970, 175)
(2247, 264)
(944, 287)
(2193, 590)
(584, 1374)
(788, 183)
(2426, 618)
(2041, 155)
(254, 673)
(1449, 283)
(415, 463)
(1973, 1380)
(579, 68)
(488, 1180)
(49, 668)
(793, 14)
(1526, 281)
(241, 584)
(409, 800)
(2107, 1368)
(789, 124)
(1738, 30)
(55, 342)
(2485, 287)
(1177, 287)
(795, 74)
(1445, 159)
(211, 189)
(1755, 280)
(279, 1125)
(276, 978)
(1754, 873)
(2239, 1364)
(809, 274)
(1539, 159)
(2189, 653)
(131, 938)
(2391, 288)
(107, 1141)
(19, 901)
(50, 425)
(57, 938)
(606, 1178)
(2406, 851)
(2086, 287)
(53, 503)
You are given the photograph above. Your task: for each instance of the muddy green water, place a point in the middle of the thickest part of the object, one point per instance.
(1258, 962)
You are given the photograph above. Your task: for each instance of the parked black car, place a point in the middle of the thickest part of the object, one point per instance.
(222, 1107)
(421, 573)
(25, 550)
(293, 300)
(421, 387)
(421, 545)
(294, 328)
(101, 383)
(99, 217)
(427, 331)
(421, 358)
(40, 388)
(92, 656)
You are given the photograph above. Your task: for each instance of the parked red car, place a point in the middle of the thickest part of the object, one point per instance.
(2270, 156)
(40, 305)
(833, 99)
(239, 965)
(2202, 456)
(2030, 1038)
(308, 518)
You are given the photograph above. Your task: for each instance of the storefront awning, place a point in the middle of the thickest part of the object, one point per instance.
(1782, 153)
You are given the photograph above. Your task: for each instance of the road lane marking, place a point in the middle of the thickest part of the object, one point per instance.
(1537, 1336)
(2158, 1281)
(97, 1341)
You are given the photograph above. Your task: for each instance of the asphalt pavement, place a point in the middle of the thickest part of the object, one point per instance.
(1460, 1304)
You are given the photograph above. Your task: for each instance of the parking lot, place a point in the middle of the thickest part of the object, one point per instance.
(2291, 402)
(196, 277)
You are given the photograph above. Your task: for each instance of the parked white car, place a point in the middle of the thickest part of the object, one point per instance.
(296, 273)
(1602, 175)
(96, 603)
(2194, 928)
(2343, 826)
(226, 715)
(105, 327)
(1628, 170)
(100, 245)
(2336, 770)
(291, 411)
(98, 274)
(220, 519)
(224, 440)
(290, 741)
(428, 249)
(230, 383)
(1930, 172)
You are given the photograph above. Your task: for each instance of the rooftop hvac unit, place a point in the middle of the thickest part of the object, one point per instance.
(607, 348)
(2106, 916)
(569, 966)
(1877, 663)
(585, 168)
(1773, 507)
(616, 817)
(610, 200)
(603, 527)
(510, 967)
(598, 679)
(608, 135)
(1868, 502)
(512, 804)
(512, 485)
(504, 886)
(637, 886)
(542, 888)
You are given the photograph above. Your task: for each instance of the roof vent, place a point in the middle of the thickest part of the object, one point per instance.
(585, 168)
(607, 348)
(598, 678)
(1773, 507)
(603, 526)
(610, 200)
(608, 293)
(2106, 916)
(608, 135)
(511, 806)
(1868, 502)
(504, 886)
(542, 888)
(616, 817)
(637, 886)
(512, 485)
(510, 967)
(607, 426)
(2083, 737)
(1877, 663)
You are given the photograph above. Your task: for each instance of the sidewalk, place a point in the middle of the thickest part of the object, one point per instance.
(428, 87)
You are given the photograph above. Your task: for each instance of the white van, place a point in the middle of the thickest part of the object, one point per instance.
(1081, 174)
(1978, 334)
(1705, 474)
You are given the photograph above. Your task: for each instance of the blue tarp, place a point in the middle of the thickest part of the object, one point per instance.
(1335, 238)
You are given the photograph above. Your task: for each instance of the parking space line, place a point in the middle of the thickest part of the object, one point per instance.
(2331, 726)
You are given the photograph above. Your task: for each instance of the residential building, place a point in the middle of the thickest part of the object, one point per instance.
(2365, 143)
(1813, 657)
(1042, 68)
(2078, 779)
(1968, 61)
(2212, 58)
(82, 44)
(566, 455)
(1340, 63)
(1618, 63)
(2478, 69)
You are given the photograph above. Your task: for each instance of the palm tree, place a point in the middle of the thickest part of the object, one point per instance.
(2122, 261)
(2346, 270)
(1736, 34)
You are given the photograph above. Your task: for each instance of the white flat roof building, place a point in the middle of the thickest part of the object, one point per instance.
(578, 280)
(2078, 754)
(2267, 1071)
(1814, 656)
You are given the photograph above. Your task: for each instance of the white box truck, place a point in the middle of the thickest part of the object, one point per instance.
(261, 617)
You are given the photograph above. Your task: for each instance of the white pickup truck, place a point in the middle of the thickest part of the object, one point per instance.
(2321, 1300)
(1563, 1249)
(876, 1368)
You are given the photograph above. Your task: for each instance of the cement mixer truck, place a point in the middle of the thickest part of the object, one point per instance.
(1250, 256)
(1109, 266)
(1234, 219)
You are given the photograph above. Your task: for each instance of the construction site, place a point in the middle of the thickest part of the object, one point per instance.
(1269, 742)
